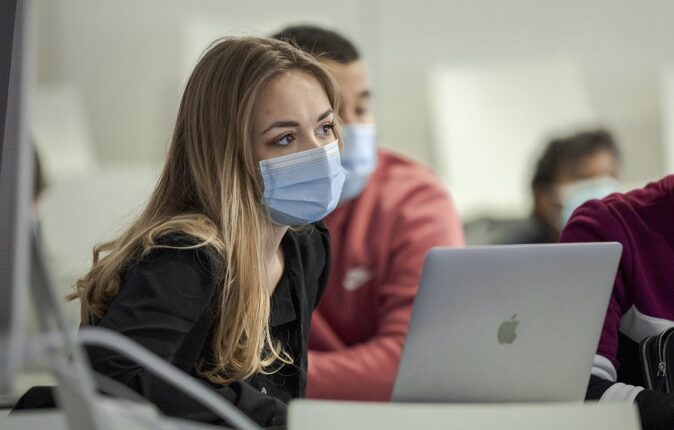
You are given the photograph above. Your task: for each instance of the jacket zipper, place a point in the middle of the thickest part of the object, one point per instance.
(662, 366)
(647, 370)
(663, 363)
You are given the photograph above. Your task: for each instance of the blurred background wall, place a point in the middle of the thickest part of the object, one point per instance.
(110, 74)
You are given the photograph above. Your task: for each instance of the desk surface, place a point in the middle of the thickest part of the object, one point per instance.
(312, 415)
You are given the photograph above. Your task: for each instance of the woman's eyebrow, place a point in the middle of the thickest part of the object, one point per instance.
(365, 94)
(324, 115)
(281, 124)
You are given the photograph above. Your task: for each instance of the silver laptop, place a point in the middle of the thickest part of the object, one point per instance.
(514, 323)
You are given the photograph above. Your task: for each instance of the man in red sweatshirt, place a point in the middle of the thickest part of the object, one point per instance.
(392, 211)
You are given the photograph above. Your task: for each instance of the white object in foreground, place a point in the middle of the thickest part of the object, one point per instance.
(314, 414)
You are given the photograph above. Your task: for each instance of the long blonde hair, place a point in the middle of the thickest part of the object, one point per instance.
(210, 189)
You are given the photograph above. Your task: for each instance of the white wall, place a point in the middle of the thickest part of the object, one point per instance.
(125, 55)
(619, 44)
(489, 119)
(667, 100)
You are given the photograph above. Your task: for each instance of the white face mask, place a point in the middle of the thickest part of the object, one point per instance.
(359, 158)
(577, 193)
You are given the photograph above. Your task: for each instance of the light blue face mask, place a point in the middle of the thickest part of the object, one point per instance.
(303, 187)
(582, 191)
(359, 158)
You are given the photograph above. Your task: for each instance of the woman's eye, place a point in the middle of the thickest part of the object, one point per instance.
(326, 129)
(285, 140)
(361, 111)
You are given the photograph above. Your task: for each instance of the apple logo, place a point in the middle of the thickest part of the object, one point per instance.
(506, 331)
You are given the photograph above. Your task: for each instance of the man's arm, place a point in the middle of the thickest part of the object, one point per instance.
(367, 371)
(595, 222)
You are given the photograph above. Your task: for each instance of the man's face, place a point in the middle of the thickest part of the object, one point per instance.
(354, 83)
(548, 203)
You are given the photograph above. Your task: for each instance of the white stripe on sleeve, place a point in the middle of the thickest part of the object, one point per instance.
(603, 368)
(620, 392)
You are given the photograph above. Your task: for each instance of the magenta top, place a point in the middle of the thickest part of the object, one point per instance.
(642, 303)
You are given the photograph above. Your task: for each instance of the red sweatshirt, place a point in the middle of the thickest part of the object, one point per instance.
(378, 243)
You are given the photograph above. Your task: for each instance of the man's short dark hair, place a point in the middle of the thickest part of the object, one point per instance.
(319, 42)
(567, 152)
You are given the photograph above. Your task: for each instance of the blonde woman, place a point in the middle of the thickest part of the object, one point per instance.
(210, 277)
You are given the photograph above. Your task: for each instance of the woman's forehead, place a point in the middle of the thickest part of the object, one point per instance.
(294, 95)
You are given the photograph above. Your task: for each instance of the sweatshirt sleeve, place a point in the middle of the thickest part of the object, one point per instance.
(596, 221)
(425, 218)
(164, 306)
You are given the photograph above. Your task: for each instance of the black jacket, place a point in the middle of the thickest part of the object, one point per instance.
(167, 304)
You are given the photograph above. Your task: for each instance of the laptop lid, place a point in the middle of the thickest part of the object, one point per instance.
(507, 323)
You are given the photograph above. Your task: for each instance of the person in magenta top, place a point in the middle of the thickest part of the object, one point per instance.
(392, 211)
(642, 303)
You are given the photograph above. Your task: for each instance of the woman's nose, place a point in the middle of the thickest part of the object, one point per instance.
(312, 142)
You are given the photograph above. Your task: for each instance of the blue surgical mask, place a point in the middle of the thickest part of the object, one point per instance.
(573, 196)
(303, 187)
(359, 158)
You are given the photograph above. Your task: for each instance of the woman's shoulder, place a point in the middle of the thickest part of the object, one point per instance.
(176, 257)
